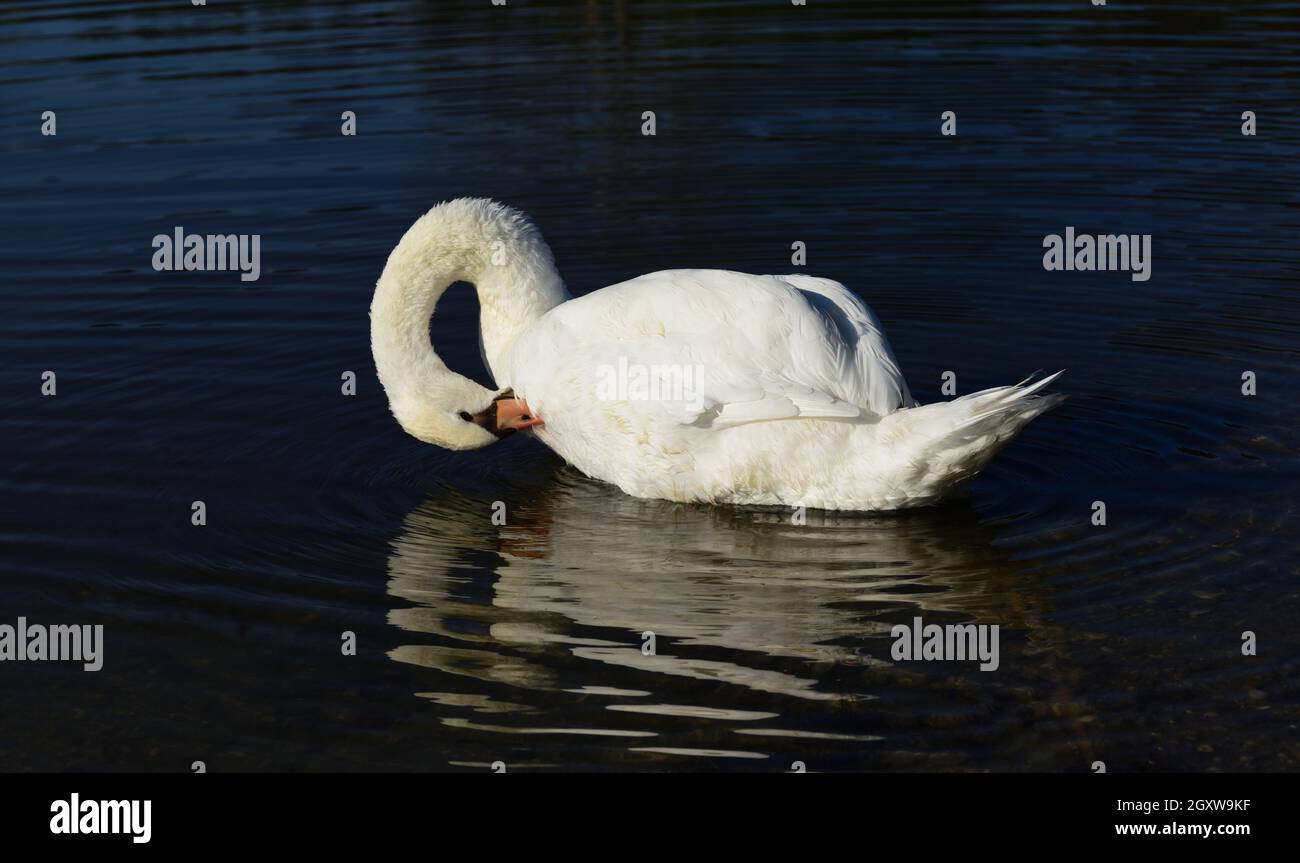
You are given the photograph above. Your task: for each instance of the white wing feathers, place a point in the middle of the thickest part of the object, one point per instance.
(865, 338)
(753, 348)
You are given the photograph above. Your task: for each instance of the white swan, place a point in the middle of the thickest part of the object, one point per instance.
(786, 391)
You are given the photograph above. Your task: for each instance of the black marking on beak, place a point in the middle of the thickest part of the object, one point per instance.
(487, 418)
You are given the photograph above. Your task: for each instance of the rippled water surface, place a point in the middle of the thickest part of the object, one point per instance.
(523, 643)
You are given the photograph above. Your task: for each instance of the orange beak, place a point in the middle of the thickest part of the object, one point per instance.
(516, 415)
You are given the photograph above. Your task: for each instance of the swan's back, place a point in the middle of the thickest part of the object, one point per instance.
(781, 346)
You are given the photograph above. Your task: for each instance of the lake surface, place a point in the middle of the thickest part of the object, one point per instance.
(523, 643)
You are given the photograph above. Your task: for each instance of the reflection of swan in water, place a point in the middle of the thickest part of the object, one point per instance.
(739, 596)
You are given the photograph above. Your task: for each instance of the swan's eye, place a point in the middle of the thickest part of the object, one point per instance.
(466, 417)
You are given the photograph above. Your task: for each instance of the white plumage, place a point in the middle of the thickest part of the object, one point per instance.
(778, 390)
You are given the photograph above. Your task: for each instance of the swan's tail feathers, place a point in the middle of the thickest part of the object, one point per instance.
(996, 409)
(956, 439)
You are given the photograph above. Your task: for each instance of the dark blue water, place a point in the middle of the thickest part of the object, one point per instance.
(522, 644)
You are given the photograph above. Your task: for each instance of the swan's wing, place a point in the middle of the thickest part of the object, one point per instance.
(761, 397)
(877, 367)
(747, 348)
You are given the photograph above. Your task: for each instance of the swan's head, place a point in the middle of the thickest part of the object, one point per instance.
(503, 255)
(456, 413)
(437, 413)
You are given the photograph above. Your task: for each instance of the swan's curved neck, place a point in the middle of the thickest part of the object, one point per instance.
(490, 246)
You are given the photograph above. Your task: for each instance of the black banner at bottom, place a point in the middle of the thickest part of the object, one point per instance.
(332, 812)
